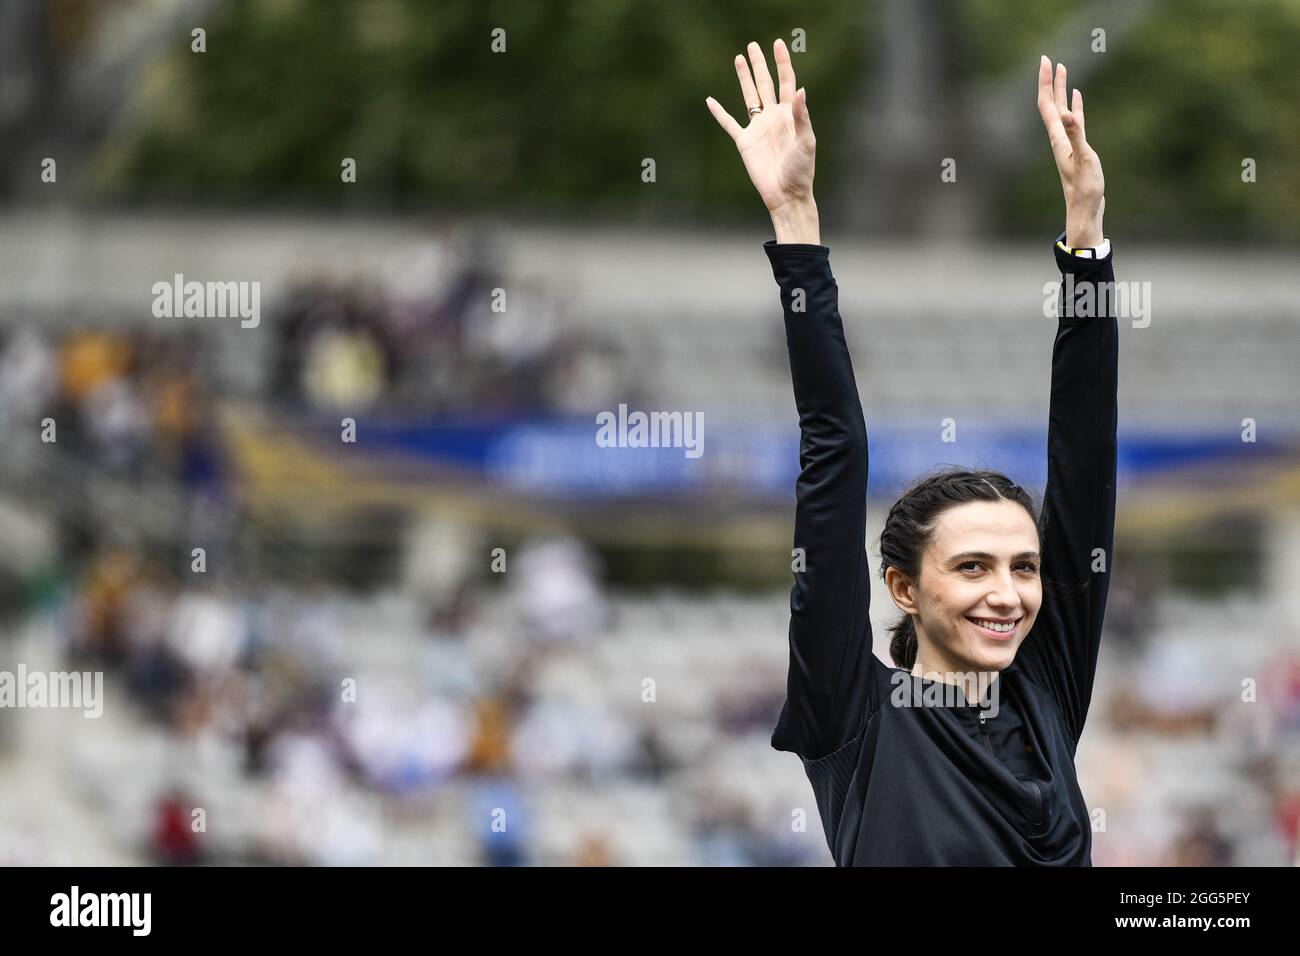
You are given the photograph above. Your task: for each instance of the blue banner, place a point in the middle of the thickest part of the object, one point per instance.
(567, 458)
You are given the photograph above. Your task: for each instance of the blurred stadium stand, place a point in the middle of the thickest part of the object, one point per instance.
(524, 693)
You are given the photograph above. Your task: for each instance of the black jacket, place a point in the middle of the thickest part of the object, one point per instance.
(908, 785)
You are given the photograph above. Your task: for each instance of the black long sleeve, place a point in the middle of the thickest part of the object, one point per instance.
(900, 784)
(829, 690)
(1060, 653)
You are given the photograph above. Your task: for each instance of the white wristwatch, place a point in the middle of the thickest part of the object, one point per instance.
(1086, 252)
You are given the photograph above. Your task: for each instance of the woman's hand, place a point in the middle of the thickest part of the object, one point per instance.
(1076, 161)
(778, 146)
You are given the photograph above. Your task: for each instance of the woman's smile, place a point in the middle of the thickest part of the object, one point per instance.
(998, 629)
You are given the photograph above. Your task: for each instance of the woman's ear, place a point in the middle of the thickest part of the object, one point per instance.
(901, 590)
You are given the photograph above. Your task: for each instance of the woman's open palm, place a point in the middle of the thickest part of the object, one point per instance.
(778, 146)
(1077, 162)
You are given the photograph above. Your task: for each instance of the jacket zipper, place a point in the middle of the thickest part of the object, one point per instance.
(1037, 820)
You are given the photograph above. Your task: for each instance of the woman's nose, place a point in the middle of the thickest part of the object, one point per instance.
(1005, 594)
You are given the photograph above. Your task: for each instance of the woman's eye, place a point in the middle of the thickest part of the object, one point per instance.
(976, 566)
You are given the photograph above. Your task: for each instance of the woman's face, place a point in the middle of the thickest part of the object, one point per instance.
(979, 575)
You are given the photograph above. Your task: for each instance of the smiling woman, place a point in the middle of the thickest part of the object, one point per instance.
(993, 600)
(959, 554)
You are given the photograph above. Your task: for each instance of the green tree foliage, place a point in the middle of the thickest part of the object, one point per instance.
(585, 90)
(1197, 87)
(588, 88)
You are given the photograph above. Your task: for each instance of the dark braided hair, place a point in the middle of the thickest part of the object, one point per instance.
(910, 526)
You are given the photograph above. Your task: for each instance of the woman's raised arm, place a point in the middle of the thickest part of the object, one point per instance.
(778, 146)
(1079, 501)
(830, 691)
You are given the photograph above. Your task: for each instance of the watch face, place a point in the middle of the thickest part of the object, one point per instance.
(1087, 252)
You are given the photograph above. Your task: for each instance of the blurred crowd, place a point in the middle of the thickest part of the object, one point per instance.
(530, 716)
(137, 398)
(480, 344)
(484, 708)
(128, 401)
(538, 717)
(1193, 742)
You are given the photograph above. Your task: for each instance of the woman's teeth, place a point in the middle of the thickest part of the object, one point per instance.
(1001, 628)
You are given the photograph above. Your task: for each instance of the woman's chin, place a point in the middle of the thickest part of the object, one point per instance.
(993, 658)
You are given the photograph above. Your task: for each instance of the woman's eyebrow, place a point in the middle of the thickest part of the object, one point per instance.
(984, 555)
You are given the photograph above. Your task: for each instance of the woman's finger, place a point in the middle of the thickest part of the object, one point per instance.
(1056, 135)
(1072, 120)
(762, 78)
(802, 121)
(784, 70)
(1073, 131)
(1059, 89)
(1059, 140)
(724, 118)
(747, 91)
(1046, 104)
